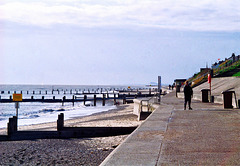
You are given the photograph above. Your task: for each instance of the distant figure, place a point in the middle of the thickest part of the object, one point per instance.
(188, 93)
(169, 87)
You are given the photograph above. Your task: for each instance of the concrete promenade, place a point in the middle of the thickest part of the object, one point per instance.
(206, 135)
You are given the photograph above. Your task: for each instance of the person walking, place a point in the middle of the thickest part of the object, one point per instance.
(188, 93)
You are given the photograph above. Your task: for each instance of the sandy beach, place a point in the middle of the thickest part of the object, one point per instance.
(85, 151)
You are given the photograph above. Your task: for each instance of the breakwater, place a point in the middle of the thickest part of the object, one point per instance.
(83, 96)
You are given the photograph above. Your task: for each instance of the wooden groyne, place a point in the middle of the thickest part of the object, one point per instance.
(84, 96)
(62, 132)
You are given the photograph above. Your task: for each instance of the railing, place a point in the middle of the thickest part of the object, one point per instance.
(228, 66)
(147, 103)
(200, 78)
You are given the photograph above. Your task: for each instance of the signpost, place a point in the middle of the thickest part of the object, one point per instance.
(17, 98)
(159, 89)
(209, 81)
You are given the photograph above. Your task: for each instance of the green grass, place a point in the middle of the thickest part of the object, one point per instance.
(230, 68)
(236, 74)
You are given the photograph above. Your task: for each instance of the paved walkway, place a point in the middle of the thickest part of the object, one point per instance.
(206, 135)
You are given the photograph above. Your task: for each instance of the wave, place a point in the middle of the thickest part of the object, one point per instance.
(51, 110)
(32, 116)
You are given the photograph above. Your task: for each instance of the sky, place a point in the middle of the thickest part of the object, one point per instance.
(113, 42)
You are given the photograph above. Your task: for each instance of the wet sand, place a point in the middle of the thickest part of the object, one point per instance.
(85, 151)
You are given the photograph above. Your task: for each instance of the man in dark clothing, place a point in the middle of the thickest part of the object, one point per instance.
(188, 92)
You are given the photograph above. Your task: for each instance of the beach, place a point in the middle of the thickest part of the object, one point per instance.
(82, 151)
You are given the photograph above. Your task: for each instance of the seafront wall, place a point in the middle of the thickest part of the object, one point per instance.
(218, 86)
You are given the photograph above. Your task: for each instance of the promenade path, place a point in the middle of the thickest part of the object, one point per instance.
(206, 135)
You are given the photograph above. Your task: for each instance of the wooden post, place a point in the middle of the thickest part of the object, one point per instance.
(42, 97)
(84, 99)
(31, 97)
(60, 122)
(12, 125)
(33, 92)
(15, 123)
(53, 97)
(124, 99)
(64, 97)
(46, 92)
(10, 130)
(103, 100)
(40, 92)
(114, 96)
(95, 100)
(73, 100)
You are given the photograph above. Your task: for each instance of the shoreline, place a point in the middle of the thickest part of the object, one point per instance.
(53, 124)
(80, 151)
(47, 114)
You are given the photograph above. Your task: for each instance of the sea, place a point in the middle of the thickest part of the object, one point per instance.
(38, 112)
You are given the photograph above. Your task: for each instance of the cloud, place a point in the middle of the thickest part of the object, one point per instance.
(204, 15)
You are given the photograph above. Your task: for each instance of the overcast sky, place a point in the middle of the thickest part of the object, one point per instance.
(92, 42)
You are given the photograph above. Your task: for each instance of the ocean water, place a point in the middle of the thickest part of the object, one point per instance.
(38, 112)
